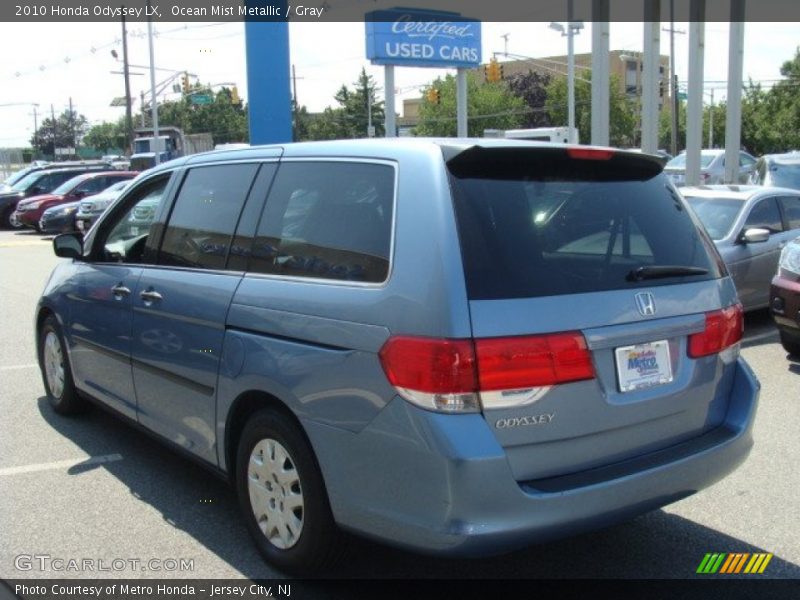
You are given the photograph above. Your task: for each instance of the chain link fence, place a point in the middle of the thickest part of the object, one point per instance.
(10, 161)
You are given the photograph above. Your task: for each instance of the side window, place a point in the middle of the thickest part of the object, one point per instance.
(205, 214)
(327, 220)
(127, 237)
(745, 161)
(791, 211)
(92, 186)
(765, 215)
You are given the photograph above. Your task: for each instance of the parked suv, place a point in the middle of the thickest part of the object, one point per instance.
(460, 347)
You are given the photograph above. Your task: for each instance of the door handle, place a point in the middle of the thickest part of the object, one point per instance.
(120, 290)
(150, 296)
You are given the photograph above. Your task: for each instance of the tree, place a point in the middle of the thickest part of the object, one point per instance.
(224, 120)
(489, 106)
(106, 136)
(67, 133)
(349, 119)
(622, 115)
(532, 88)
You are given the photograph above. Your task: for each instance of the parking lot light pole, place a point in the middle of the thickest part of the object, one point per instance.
(154, 107)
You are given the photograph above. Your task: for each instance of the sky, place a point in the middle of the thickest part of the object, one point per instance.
(49, 63)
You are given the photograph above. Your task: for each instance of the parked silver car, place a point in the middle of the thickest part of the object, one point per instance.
(778, 170)
(750, 226)
(712, 167)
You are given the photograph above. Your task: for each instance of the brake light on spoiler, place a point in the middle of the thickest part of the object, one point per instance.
(449, 375)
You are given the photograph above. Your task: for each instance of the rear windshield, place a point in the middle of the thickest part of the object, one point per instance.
(539, 223)
(680, 160)
(785, 175)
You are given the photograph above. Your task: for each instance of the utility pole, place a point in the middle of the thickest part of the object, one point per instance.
(128, 116)
(505, 37)
(53, 116)
(142, 106)
(35, 129)
(711, 121)
(72, 126)
(296, 105)
(673, 78)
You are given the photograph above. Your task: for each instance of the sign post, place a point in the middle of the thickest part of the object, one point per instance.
(423, 38)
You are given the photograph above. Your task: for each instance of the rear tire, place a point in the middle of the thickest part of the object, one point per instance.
(56, 370)
(282, 496)
(790, 345)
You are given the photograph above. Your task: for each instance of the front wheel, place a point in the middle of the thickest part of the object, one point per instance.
(282, 495)
(10, 220)
(56, 372)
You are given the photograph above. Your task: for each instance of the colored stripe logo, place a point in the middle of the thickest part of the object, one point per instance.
(733, 563)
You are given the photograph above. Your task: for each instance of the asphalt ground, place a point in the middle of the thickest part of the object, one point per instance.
(95, 488)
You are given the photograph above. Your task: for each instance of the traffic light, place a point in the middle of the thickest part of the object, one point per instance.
(493, 72)
(185, 83)
(235, 96)
(434, 96)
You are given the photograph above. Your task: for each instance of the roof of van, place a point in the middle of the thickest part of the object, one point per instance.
(374, 148)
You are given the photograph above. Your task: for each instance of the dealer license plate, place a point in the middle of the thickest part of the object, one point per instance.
(643, 365)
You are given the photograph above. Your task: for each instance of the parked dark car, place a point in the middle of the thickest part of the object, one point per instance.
(785, 297)
(778, 170)
(60, 218)
(750, 226)
(30, 210)
(35, 183)
(461, 346)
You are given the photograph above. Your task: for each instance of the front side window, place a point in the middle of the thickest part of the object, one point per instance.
(128, 233)
(765, 215)
(204, 218)
(327, 220)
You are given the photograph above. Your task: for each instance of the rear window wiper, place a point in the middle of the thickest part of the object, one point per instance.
(663, 271)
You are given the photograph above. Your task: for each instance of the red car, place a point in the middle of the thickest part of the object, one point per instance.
(30, 210)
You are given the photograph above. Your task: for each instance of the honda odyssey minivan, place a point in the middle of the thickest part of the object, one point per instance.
(457, 346)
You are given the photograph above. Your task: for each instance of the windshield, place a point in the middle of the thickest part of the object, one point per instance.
(23, 184)
(536, 223)
(785, 175)
(15, 177)
(68, 185)
(716, 214)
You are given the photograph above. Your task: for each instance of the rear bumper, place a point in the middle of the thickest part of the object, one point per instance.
(442, 484)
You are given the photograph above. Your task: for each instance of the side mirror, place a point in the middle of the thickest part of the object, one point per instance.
(755, 235)
(68, 245)
(78, 194)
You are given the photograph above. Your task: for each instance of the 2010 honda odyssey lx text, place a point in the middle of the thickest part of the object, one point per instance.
(456, 346)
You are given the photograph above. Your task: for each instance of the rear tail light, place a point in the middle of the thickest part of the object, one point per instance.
(723, 329)
(449, 375)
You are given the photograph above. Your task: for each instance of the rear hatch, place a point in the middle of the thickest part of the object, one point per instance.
(596, 305)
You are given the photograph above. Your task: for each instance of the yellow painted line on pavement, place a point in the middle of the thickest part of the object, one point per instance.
(15, 244)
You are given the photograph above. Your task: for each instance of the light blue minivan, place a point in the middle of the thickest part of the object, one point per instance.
(456, 346)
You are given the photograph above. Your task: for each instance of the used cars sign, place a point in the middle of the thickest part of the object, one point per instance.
(423, 38)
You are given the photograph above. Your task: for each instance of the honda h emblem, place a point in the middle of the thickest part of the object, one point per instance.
(646, 304)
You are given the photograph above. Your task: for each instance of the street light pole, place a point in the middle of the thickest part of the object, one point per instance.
(572, 29)
(154, 107)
